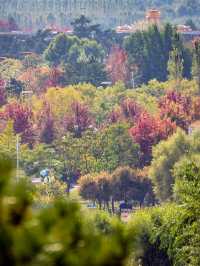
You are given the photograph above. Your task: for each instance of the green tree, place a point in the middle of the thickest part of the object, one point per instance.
(58, 48)
(118, 147)
(175, 66)
(67, 159)
(196, 63)
(165, 155)
(8, 141)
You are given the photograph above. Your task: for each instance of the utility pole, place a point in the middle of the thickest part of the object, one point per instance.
(132, 79)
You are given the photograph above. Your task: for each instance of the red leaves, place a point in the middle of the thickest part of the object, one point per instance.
(46, 124)
(117, 65)
(177, 107)
(22, 117)
(130, 109)
(79, 119)
(54, 78)
(196, 109)
(148, 131)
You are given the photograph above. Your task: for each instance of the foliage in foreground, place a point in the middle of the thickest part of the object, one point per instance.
(56, 235)
(169, 235)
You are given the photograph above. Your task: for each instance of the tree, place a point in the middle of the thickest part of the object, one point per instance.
(85, 63)
(50, 235)
(130, 109)
(46, 124)
(8, 141)
(117, 65)
(58, 48)
(175, 66)
(148, 50)
(117, 148)
(103, 189)
(36, 79)
(88, 187)
(187, 185)
(78, 120)
(82, 59)
(165, 155)
(36, 159)
(3, 96)
(67, 159)
(83, 28)
(10, 69)
(14, 88)
(196, 62)
(22, 118)
(147, 132)
(177, 107)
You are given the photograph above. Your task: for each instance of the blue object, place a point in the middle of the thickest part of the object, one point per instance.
(44, 173)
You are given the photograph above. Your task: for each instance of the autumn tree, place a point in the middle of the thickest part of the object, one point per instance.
(88, 187)
(22, 118)
(103, 189)
(177, 107)
(117, 65)
(46, 124)
(78, 119)
(148, 131)
(128, 185)
(130, 109)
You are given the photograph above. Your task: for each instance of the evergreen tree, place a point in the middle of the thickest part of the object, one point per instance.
(196, 63)
(175, 66)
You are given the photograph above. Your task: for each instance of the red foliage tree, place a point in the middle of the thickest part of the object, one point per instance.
(78, 120)
(117, 65)
(3, 96)
(4, 25)
(114, 116)
(196, 109)
(130, 109)
(22, 117)
(177, 107)
(148, 131)
(55, 78)
(46, 124)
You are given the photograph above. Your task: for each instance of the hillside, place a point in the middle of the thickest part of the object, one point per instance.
(35, 14)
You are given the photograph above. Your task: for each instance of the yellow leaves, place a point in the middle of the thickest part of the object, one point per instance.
(61, 99)
(10, 68)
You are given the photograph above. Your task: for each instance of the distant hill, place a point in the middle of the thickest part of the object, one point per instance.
(36, 14)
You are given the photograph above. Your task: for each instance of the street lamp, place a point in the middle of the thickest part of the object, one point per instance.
(17, 153)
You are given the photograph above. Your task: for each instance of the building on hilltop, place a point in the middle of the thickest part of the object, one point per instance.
(153, 16)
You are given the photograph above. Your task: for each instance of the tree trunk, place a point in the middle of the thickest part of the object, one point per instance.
(113, 206)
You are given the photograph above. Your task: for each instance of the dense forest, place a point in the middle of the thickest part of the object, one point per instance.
(35, 14)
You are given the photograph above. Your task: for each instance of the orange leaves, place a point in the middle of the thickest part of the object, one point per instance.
(117, 65)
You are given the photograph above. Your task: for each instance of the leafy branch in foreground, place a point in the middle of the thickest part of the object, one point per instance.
(56, 235)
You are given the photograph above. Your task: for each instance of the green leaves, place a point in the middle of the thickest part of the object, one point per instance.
(60, 234)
